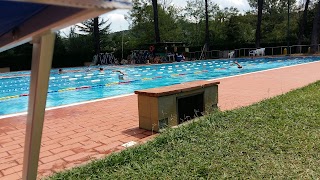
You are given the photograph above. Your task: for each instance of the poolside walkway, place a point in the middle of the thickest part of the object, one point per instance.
(76, 134)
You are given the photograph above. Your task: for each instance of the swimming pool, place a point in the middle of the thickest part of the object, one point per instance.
(81, 84)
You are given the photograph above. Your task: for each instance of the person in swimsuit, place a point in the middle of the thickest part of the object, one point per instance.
(239, 65)
(121, 74)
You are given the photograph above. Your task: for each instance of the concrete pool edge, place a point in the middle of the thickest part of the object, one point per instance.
(119, 96)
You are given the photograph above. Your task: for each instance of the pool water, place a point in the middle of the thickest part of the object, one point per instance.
(83, 84)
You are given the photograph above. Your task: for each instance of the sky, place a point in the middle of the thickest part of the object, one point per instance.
(118, 22)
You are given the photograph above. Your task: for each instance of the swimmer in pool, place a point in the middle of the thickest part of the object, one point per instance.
(239, 66)
(121, 74)
(60, 71)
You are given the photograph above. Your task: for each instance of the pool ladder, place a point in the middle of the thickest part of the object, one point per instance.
(202, 52)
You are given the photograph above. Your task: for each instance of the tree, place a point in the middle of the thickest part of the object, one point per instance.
(302, 24)
(142, 27)
(156, 18)
(196, 17)
(258, 30)
(122, 38)
(273, 7)
(233, 30)
(59, 46)
(207, 26)
(315, 30)
(274, 19)
(229, 28)
(98, 29)
(78, 43)
(96, 35)
(141, 18)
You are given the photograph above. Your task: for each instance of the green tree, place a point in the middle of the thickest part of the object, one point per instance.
(122, 38)
(195, 15)
(155, 20)
(274, 19)
(79, 43)
(59, 47)
(315, 30)
(98, 29)
(142, 26)
(258, 29)
(272, 7)
(303, 23)
(140, 16)
(207, 25)
(96, 35)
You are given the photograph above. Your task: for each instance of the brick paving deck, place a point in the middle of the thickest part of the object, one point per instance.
(74, 135)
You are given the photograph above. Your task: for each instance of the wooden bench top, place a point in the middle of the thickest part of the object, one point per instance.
(177, 88)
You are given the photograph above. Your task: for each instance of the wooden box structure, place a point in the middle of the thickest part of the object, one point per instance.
(171, 105)
(5, 69)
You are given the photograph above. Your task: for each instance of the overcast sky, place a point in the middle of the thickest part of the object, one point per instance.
(118, 23)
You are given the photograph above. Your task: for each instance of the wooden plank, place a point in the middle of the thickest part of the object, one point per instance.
(47, 21)
(40, 72)
(175, 89)
(110, 4)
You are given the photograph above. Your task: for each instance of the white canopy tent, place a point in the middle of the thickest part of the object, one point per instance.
(35, 21)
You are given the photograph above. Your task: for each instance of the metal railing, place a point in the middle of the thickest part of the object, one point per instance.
(202, 51)
(214, 54)
(244, 52)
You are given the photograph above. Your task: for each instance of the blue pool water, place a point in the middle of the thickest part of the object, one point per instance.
(81, 84)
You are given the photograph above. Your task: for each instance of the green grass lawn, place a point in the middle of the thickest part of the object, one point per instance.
(277, 138)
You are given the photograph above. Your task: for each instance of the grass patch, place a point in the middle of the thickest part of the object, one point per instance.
(276, 138)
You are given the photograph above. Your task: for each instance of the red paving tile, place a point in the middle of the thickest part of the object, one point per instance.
(248, 89)
(74, 135)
